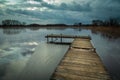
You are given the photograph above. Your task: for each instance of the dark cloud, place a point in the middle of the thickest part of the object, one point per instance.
(104, 9)
(77, 7)
(64, 12)
(74, 6)
(36, 14)
(71, 7)
(116, 1)
(39, 0)
(3, 1)
(56, 16)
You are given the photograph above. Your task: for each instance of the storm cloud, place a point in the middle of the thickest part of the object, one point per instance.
(59, 11)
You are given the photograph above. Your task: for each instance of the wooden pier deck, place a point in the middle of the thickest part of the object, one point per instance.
(81, 62)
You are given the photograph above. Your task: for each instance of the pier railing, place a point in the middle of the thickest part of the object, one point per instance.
(55, 37)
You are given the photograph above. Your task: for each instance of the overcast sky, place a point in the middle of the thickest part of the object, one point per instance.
(59, 11)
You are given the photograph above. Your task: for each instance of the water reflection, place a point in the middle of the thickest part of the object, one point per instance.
(43, 62)
(13, 58)
(2, 70)
(14, 69)
(12, 31)
(34, 28)
(106, 34)
(108, 49)
(28, 52)
(109, 36)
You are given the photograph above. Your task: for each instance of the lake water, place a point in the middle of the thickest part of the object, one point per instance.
(25, 55)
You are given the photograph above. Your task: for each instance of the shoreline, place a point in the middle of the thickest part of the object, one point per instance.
(111, 31)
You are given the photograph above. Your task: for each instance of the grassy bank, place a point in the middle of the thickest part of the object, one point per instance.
(109, 31)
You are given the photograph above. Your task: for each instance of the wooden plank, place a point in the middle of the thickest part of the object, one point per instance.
(81, 43)
(81, 63)
(74, 75)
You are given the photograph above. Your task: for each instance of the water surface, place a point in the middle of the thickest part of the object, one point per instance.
(18, 46)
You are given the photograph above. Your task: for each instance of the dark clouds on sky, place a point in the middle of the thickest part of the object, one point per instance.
(59, 11)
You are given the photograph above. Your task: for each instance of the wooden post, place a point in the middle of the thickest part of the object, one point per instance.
(51, 38)
(47, 39)
(94, 50)
(89, 37)
(61, 38)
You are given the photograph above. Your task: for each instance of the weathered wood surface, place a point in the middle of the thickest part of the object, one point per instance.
(81, 63)
(66, 36)
(82, 43)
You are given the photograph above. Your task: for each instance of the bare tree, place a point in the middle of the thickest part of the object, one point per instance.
(97, 22)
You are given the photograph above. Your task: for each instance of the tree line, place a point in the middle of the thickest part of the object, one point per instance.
(109, 22)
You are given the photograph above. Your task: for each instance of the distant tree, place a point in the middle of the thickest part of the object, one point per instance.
(77, 24)
(23, 23)
(56, 25)
(80, 24)
(97, 22)
(105, 23)
(113, 22)
(34, 24)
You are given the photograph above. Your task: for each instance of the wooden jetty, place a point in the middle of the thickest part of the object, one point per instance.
(80, 62)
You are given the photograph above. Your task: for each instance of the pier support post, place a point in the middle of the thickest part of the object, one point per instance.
(51, 38)
(61, 38)
(47, 39)
(94, 50)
